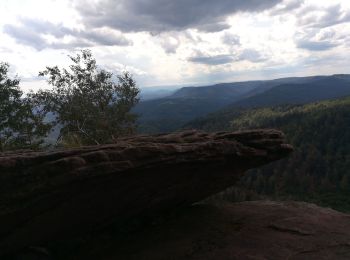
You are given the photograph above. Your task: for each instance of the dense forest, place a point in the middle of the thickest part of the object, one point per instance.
(318, 170)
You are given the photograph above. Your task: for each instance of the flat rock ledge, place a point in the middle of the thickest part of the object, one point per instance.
(52, 196)
(251, 230)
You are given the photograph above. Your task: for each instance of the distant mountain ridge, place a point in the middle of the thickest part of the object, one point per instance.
(218, 91)
(298, 93)
(188, 103)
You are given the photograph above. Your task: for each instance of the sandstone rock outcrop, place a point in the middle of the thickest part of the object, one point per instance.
(52, 196)
(237, 231)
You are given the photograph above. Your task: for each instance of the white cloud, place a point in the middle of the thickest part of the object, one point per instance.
(41, 34)
(165, 15)
(184, 42)
(318, 17)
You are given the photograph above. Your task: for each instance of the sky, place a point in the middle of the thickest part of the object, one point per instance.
(182, 42)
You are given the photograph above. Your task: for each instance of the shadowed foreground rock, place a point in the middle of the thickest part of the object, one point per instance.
(237, 231)
(52, 196)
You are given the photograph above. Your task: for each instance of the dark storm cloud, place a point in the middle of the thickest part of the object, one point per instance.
(246, 55)
(213, 27)
(287, 6)
(31, 32)
(252, 56)
(231, 39)
(25, 37)
(103, 37)
(323, 18)
(169, 46)
(212, 60)
(165, 15)
(315, 45)
(45, 27)
(319, 39)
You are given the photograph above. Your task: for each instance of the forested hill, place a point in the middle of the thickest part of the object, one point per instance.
(319, 169)
(170, 113)
(321, 89)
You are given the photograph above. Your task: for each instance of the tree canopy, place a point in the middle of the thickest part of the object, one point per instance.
(318, 169)
(22, 122)
(90, 104)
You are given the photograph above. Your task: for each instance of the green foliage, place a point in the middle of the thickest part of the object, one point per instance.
(87, 103)
(187, 104)
(328, 87)
(169, 114)
(318, 170)
(22, 123)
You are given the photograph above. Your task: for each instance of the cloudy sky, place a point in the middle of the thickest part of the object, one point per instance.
(182, 42)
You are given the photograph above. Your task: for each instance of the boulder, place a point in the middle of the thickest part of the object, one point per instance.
(52, 196)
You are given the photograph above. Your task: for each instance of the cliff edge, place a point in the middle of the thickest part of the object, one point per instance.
(47, 197)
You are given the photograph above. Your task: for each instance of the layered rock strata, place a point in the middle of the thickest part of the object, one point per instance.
(52, 196)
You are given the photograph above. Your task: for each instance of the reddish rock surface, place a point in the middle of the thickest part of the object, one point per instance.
(238, 231)
(52, 196)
